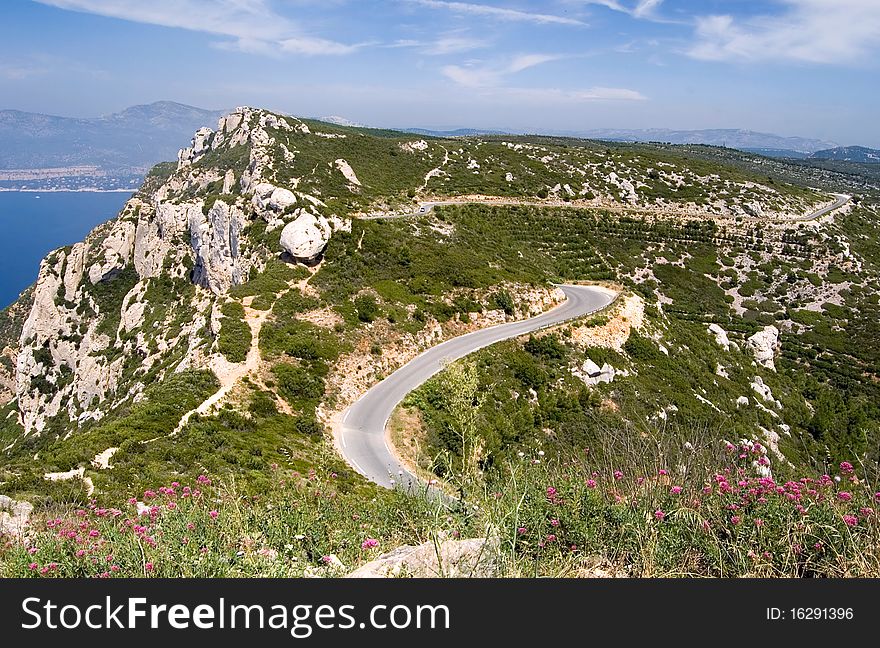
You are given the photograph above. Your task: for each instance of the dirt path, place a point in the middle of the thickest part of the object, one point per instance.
(230, 373)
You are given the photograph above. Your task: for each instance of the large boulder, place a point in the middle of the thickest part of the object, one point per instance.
(268, 197)
(765, 345)
(306, 236)
(471, 558)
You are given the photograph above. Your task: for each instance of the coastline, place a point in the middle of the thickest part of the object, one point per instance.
(83, 190)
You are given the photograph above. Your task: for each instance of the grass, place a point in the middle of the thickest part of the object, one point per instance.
(643, 517)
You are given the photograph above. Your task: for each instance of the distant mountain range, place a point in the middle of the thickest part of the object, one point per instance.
(458, 132)
(735, 138)
(848, 154)
(130, 141)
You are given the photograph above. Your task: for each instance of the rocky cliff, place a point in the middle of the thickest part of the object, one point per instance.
(134, 300)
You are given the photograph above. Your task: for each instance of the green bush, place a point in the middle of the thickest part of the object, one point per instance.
(235, 337)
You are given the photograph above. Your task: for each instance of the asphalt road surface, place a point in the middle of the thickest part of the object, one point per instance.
(361, 436)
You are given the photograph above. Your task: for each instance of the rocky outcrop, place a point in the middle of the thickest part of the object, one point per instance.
(721, 338)
(215, 241)
(592, 374)
(14, 516)
(108, 311)
(764, 345)
(472, 558)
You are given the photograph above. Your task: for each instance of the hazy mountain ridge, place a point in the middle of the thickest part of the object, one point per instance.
(728, 137)
(130, 141)
(848, 154)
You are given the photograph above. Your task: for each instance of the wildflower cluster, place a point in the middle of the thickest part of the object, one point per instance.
(729, 522)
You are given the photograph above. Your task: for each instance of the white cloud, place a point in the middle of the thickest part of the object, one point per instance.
(19, 72)
(599, 93)
(452, 42)
(489, 80)
(475, 75)
(525, 61)
(813, 31)
(641, 9)
(453, 45)
(251, 24)
(499, 13)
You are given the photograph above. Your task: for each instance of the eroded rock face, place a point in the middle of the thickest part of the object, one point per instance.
(471, 558)
(215, 241)
(765, 345)
(306, 236)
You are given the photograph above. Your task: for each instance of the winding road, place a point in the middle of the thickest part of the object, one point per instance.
(497, 201)
(361, 434)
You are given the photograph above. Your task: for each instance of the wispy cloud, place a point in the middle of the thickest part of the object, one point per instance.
(813, 31)
(490, 79)
(498, 13)
(20, 71)
(645, 9)
(454, 42)
(252, 25)
(478, 75)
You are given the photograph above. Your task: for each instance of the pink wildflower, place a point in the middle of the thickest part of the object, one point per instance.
(850, 520)
(844, 496)
(554, 523)
(846, 467)
(369, 543)
(675, 490)
(213, 514)
(660, 515)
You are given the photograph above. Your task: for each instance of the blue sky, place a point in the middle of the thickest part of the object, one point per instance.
(793, 67)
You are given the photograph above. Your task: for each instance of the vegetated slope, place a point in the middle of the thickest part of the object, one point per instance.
(180, 336)
(183, 339)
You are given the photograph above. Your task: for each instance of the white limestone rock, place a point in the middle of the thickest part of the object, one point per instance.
(267, 197)
(215, 240)
(721, 337)
(14, 516)
(764, 346)
(346, 170)
(201, 144)
(117, 250)
(305, 237)
(471, 558)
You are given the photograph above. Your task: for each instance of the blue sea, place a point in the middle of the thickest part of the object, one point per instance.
(33, 224)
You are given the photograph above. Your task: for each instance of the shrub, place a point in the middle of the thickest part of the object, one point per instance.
(366, 307)
(235, 337)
